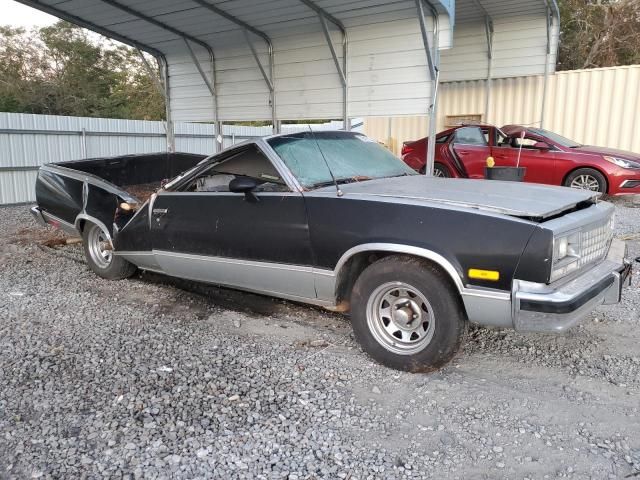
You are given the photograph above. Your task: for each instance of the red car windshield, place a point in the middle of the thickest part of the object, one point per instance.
(559, 139)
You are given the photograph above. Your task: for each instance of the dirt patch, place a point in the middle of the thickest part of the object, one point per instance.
(37, 235)
(143, 191)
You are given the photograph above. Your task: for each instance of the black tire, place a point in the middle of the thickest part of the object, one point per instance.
(447, 325)
(442, 171)
(439, 170)
(587, 173)
(115, 268)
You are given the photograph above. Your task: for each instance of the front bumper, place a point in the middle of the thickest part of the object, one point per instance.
(558, 307)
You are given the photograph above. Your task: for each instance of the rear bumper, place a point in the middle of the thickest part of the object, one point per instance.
(44, 219)
(556, 308)
(37, 215)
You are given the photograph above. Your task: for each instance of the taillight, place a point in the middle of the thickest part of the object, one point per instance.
(406, 148)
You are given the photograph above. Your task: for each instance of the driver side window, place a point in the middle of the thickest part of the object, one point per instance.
(470, 136)
(249, 162)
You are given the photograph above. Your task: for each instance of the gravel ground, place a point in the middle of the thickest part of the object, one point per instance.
(159, 378)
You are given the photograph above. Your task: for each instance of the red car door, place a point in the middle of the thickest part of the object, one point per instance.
(469, 146)
(536, 156)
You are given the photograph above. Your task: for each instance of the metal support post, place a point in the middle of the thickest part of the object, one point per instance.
(433, 62)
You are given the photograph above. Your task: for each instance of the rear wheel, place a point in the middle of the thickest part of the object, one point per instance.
(406, 315)
(98, 251)
(587, 179)
(439, 170)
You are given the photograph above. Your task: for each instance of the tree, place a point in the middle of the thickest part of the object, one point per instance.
(61, 70)
(599, 33)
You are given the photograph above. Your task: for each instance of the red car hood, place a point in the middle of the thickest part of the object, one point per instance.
(607, 151)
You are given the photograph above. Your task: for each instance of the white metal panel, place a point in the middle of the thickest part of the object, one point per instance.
(387, 65)
(519, 48)
(17, 187)
(29, 141)
(373, 85)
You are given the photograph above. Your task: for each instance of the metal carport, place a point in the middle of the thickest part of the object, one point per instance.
(274, 60)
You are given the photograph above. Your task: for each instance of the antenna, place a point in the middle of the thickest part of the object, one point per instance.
(339, 192)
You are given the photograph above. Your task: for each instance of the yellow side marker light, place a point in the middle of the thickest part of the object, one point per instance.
(489, 275)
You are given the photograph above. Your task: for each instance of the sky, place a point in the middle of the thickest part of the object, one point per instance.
(19, 15)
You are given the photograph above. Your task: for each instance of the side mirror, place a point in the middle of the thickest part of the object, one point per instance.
(245, 185)
(542, 146)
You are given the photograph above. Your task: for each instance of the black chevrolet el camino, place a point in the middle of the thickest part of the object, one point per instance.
(335, 220)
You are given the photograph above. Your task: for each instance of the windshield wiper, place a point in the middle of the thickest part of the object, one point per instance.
(341, 181)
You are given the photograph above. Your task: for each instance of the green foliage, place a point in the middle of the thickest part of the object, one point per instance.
(61, 70)
(599, 33)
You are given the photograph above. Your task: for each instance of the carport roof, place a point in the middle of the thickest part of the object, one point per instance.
(228, 60)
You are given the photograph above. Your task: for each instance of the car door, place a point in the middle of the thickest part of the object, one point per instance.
(470, 149)
(256, 241)
(540, 163)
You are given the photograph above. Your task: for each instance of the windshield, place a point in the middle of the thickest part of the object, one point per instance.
(351, 158)
(565, 142)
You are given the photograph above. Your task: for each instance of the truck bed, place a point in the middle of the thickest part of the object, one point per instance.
(67, 192)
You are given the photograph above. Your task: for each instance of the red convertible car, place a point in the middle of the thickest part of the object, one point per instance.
(548, 157)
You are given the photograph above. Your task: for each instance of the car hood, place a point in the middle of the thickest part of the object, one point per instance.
(510, 198)
(613, 152)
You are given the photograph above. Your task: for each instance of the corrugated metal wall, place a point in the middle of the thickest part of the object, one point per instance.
(598, 107)
(28, 141)
(519, 47)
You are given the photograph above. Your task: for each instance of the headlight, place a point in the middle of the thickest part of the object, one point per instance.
(621, 162)
(575, 249)
(566, 254)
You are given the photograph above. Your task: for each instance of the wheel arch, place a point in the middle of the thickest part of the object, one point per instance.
(356, 259)
(590, 167)
(83, 218)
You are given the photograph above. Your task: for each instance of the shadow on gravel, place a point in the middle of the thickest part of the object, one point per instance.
(250, 304)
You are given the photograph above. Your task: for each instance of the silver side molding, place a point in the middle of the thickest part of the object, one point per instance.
(293, 282)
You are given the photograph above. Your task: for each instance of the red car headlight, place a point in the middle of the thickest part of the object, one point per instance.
(621, 162)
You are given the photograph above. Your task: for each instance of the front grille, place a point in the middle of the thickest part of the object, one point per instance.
(595, 243)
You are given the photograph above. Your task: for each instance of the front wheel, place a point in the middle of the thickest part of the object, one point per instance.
(98, 251)
(406, 314)
(587, 179)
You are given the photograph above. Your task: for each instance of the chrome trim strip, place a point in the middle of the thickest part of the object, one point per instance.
(89, 178)
(66, 226)
(89, 218)
(407, 249)
(624, 184)
(280, 165)
(133, 252)
(234, 261)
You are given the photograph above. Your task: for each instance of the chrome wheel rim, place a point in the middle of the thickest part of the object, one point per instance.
(99, 246)
(437, 172)
(586, 182)
(400, 318)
